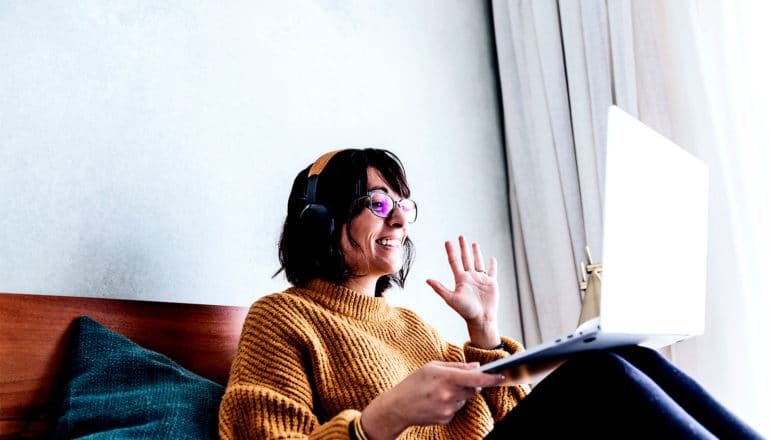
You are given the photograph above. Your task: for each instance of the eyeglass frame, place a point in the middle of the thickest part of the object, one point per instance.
(396, 203)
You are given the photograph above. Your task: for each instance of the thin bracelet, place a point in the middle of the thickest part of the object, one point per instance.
(500, 346)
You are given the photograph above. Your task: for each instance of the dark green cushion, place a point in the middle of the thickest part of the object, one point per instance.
(116, 389)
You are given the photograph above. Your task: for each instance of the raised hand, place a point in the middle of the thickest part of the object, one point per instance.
(429, 396)
(475, 295)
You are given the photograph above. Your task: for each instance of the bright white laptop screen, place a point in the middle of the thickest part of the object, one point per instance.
(655, 228)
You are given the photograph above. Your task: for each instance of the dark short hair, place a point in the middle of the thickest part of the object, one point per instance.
(305, 254)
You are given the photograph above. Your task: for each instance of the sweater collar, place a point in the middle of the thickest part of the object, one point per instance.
(345, 301)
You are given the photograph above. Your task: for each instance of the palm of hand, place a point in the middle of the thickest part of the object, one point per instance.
(475, 294)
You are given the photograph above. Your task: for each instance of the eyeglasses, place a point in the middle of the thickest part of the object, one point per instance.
(382, 205)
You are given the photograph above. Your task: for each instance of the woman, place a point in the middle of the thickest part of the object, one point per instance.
(329, 358)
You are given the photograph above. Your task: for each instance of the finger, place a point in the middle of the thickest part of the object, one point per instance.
(466, 365)
(454, 262)
(460, 365)
(466, 393)
(478, 259)
(475, 379)
(466, 256)
(439, 288)
(490, 380)
(492, 272)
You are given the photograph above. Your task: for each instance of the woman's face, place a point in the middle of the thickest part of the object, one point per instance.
(380, 240)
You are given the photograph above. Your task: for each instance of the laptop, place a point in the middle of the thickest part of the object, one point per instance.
(653, 281)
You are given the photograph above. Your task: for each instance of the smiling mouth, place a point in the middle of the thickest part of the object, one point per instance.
(388, 242)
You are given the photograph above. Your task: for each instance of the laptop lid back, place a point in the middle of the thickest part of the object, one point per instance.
(655, 231)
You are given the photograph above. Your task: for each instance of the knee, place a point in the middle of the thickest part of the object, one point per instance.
(640, 355)
(599, 364)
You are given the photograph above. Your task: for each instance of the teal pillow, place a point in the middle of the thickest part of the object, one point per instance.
(116, 389)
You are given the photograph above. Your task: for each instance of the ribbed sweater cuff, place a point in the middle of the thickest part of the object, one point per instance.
(338, 427)
(475, 354)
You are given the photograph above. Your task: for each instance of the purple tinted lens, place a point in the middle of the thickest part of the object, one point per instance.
(410, 209)
(380, 204)
(407, 206)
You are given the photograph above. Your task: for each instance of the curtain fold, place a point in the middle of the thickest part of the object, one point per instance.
(588, 69)
(543, 180)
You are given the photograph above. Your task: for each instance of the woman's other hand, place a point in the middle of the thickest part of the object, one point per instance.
(475, 295)
(429, 396)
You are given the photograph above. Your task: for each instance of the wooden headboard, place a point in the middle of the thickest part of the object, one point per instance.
(34, 333)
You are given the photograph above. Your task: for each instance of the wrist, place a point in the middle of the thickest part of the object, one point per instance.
(378, 423)
(484, 335)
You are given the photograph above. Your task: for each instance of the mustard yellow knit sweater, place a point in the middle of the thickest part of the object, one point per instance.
(310, 359)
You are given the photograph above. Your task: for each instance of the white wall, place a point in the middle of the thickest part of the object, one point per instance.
(147, 148)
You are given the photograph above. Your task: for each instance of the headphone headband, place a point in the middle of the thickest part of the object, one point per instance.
(320, 163)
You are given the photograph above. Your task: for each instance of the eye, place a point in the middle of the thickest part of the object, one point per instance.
(380, 204)
(406, 205)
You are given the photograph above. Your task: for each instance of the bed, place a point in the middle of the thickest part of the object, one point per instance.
(42, 337)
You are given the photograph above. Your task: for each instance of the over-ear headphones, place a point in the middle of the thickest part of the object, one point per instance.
(317, 215)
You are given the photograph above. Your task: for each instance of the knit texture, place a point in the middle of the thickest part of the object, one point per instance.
(310, 359)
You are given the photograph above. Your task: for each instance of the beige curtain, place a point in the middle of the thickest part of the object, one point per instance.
(555, 209)
(561, 63)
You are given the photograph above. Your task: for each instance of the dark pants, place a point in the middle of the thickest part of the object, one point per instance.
(631, 392)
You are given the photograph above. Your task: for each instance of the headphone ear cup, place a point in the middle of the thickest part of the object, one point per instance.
(318, 220)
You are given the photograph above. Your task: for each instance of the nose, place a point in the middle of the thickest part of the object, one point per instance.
(397, 218)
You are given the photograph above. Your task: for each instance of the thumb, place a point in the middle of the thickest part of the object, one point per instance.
(439, 288)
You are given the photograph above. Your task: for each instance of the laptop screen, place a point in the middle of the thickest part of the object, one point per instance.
(655, 231)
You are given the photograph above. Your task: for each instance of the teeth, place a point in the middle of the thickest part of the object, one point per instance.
(389, 242)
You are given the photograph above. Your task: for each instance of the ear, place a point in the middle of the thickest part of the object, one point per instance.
(318, 221)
